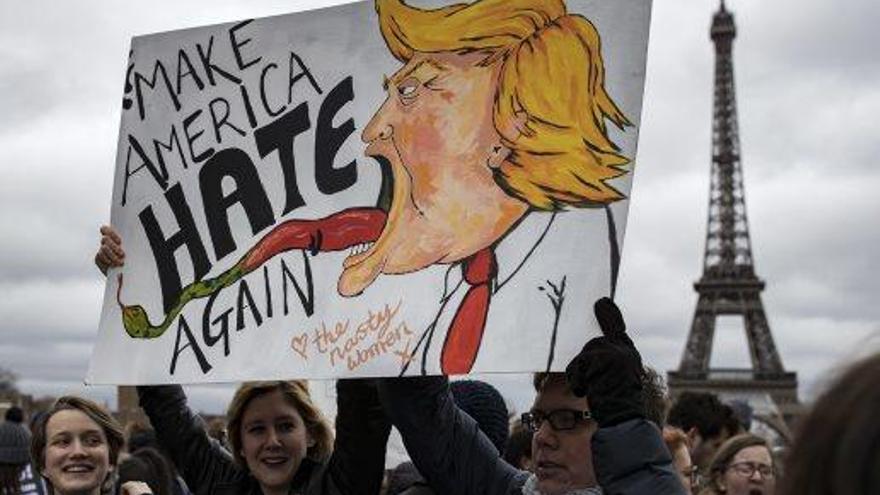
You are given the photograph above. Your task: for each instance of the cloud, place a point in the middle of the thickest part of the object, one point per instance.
(808, 153)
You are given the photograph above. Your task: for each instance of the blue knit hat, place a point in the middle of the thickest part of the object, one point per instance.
(486, 405)
(15, 443)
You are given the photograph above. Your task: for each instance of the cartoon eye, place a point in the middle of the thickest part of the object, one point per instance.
(408, 89)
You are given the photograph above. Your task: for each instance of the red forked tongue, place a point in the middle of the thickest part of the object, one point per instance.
(336, 232)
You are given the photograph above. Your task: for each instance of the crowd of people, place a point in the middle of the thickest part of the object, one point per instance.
(603, 426)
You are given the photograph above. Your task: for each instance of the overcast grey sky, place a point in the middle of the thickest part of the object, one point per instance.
(808, 83)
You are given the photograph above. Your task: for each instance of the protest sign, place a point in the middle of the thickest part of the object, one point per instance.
(373, 189)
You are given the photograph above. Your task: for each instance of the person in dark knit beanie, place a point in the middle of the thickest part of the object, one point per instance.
(15, 442)
(14, 415)
(486, 406)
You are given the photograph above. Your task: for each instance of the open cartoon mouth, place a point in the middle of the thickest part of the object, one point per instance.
(383, 202)
(386, 192)
(367, 260)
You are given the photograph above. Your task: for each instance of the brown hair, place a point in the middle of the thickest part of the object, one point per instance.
(542, 380)
(655, 396)
(296, 393)
(111, 428)
(837, 446)
(147, 465)
(725, 454)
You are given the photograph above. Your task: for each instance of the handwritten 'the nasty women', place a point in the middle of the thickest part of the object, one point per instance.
(355, 345)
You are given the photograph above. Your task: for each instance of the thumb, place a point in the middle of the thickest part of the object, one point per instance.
(609, 317)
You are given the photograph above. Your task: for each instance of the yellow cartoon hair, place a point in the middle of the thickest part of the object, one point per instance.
(551, 88)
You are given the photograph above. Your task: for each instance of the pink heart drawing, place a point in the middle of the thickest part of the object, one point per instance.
(299, 344)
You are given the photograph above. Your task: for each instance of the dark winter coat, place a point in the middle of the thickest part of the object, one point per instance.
(355, 467)
(448, 448)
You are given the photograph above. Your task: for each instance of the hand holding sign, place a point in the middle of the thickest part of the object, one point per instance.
(110, 253)
(608, 370)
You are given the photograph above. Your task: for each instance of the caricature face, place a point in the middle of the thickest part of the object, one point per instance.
(77, 455)
(562, 460)
(435, 131)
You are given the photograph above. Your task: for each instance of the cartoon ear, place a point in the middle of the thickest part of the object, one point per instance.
(497, 154)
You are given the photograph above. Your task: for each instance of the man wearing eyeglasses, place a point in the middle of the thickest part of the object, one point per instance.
(563, 426)
(590, 431)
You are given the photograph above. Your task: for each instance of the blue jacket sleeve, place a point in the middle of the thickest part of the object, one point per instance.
(444, 442)
(631, 458)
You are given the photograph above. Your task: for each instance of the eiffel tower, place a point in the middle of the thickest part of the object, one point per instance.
(729, 285)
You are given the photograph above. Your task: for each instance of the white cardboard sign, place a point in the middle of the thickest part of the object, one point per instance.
(373, 189)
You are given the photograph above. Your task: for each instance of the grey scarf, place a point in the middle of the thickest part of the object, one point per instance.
(531, 488)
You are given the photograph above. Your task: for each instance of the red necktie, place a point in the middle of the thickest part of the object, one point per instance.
(466, 330)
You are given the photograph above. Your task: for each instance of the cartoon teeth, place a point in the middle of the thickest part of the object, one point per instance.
(360, 248)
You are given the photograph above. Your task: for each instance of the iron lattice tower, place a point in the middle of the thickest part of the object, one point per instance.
(729, 285)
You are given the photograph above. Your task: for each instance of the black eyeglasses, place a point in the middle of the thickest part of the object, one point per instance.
(748, 469)
(560, 419)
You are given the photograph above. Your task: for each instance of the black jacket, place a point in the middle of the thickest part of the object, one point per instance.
(355, 467)
(450, 451)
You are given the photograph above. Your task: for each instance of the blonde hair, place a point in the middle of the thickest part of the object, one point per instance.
(296, 393)
(551, 88)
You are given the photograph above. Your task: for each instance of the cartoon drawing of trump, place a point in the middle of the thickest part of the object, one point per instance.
(498, 112)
